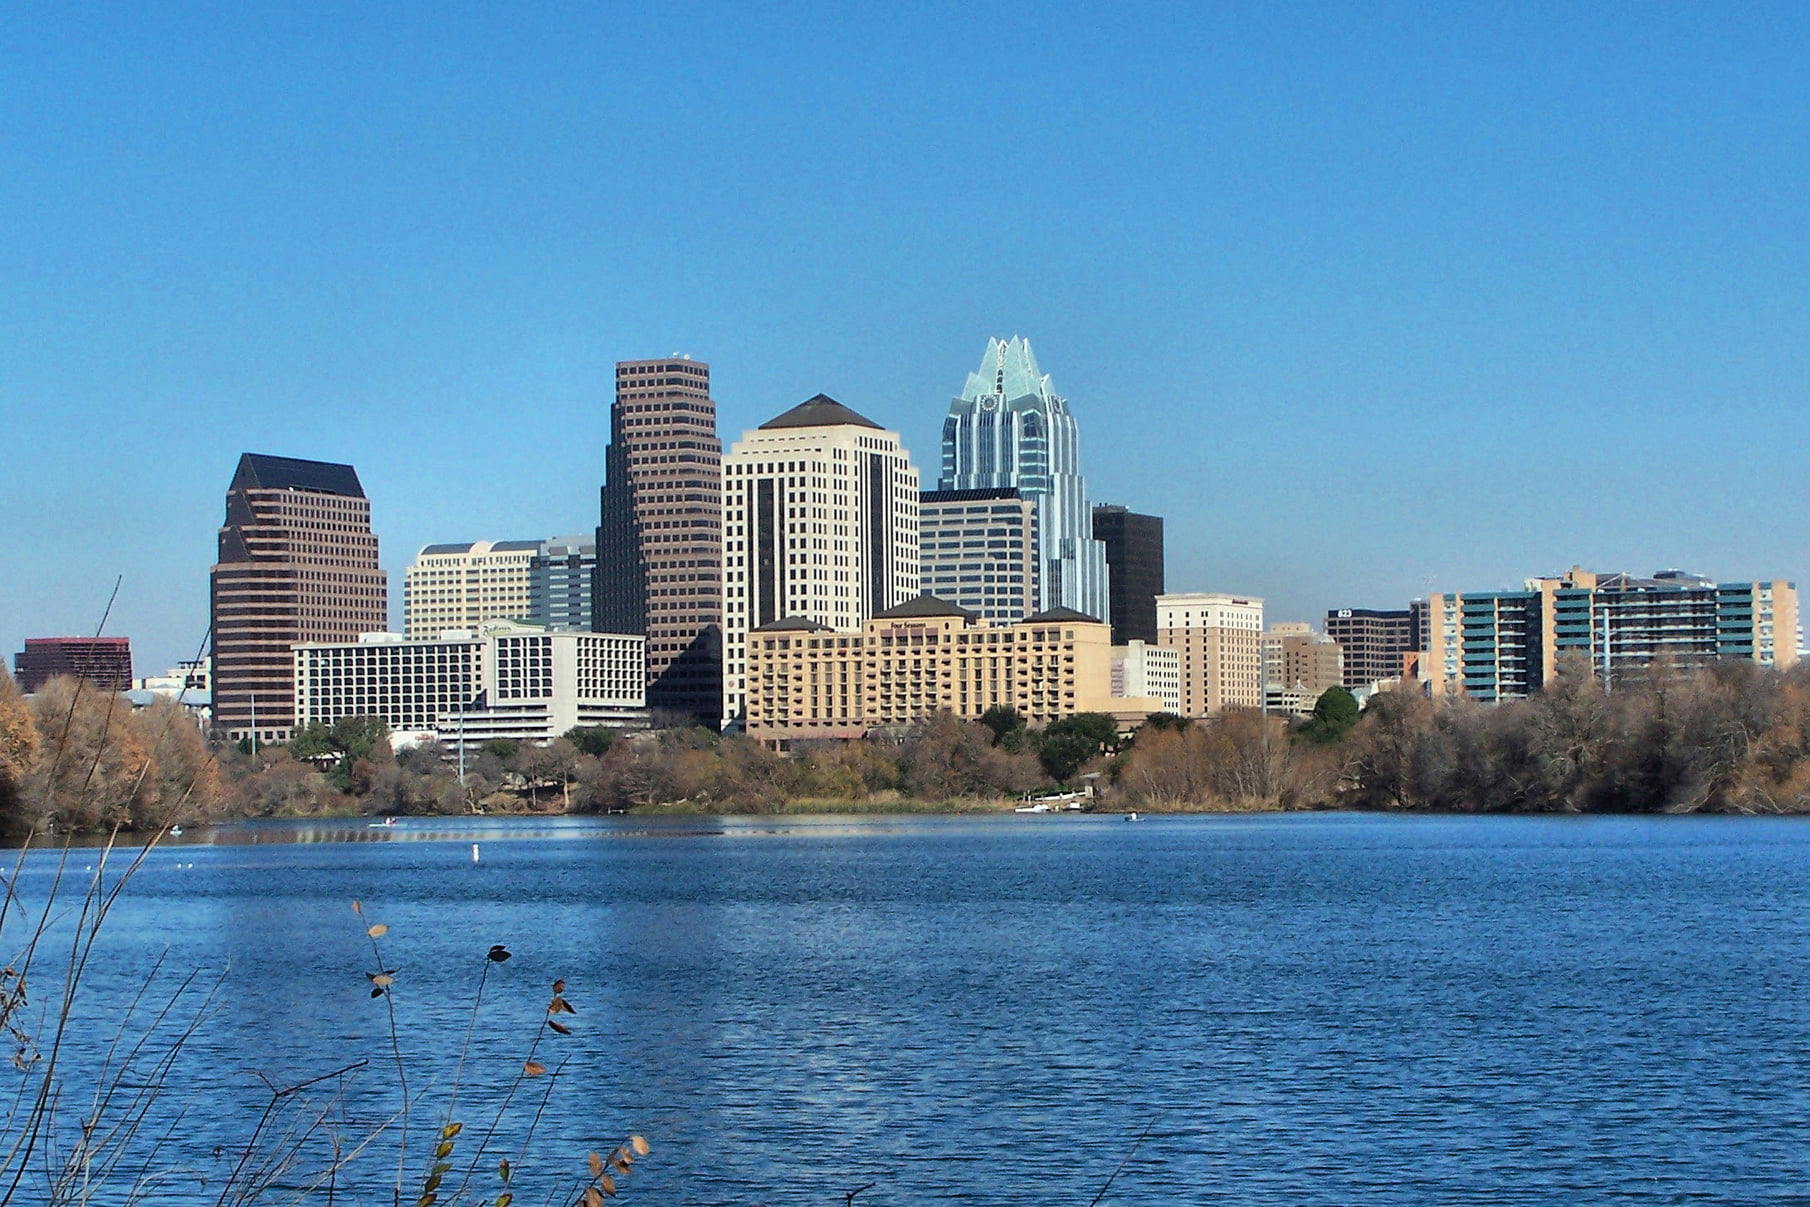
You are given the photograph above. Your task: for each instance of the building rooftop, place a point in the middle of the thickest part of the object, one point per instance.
(819, 411)
(924, 607)
(1061, 615)
(971, 495)
(261, 471)
(791, 624)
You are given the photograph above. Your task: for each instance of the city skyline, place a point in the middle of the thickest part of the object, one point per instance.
(1334, 292)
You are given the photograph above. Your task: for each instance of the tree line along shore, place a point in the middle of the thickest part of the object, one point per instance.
(1728, 738)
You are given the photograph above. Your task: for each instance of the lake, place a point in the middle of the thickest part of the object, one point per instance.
(1294, 1009)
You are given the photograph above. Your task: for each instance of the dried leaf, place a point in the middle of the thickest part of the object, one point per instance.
(503, 1169)
(378, 931)
(497, 952)
(559, 986)
(427, 1200)
(534, 1068)
(439, 1168)
(609, 1185)
(443, 1149)
(504, 1199)
(559, 1027)
(376, 993)
(383, 981)
(638, 1144)
(591, 1197)
(596, 1164)
(432, 1184)
(451, 1130)
(357, 908)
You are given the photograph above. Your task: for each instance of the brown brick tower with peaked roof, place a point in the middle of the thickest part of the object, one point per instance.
(298, 562)
(660, 540)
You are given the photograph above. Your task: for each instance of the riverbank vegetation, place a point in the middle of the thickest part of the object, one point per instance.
(1733, 737)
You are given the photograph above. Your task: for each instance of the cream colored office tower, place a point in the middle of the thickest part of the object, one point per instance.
(820, 524)
(1219, 639)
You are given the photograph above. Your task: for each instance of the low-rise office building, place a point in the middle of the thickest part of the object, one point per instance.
(501, 681)
(1299, 665)
(920, 658)
(1140, 669)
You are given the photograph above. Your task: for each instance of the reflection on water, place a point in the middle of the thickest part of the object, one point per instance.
(1312, 1009)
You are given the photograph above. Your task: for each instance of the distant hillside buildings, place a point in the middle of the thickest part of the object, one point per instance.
(297, 563)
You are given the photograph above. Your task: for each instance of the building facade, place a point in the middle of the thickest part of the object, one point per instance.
(808, 681)
(1010, 428)
(1134, 570)
(1495, 646)
(518, 682)
(1219, 640)
(1141, 669)
(463, 585)
(297, 563)
(1299, 665)
(660, 535)
(466, 584)
(820, 523)
(979, 550)
(1374, 641)
(102, 662)
(561, 583)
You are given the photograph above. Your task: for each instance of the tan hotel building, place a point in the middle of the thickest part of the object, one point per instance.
(925, 656)
(1220, 641)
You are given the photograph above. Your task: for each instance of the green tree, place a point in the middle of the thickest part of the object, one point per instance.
(1066, 745)
(311, 741)
(361, 737)
(1335, 712)
(592, 740)
(1002, 719)
(502, 749)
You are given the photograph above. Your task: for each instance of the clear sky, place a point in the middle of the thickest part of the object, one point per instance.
(1360, 298)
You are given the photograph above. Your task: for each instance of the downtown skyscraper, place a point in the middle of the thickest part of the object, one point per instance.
(298, 563)
(660, 537)
(1010, 428)
(820, 528)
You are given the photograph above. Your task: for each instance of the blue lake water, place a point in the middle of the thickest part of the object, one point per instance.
(1308, 1009)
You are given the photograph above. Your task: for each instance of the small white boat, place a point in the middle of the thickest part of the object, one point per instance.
(377, 825)
(175, 831)
(1032, 809)
(1133, 817)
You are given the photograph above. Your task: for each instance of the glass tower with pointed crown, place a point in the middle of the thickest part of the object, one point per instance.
(1009, 428)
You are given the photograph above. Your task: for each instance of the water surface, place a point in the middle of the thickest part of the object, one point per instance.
(1307, 1009)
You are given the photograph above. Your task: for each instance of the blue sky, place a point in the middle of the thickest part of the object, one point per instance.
(1361, 298)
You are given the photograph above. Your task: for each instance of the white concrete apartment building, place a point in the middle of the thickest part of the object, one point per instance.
(1142, 669)
(820, 523)
(1219, 641)
(502, 681)
(463, 585)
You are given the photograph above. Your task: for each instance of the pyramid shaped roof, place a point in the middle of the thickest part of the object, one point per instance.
(820, 410)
